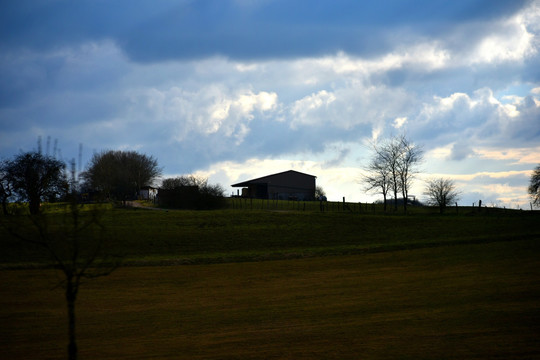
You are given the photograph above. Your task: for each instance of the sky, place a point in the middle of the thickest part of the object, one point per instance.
(238, 89)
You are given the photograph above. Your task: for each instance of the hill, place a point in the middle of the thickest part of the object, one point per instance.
(144, 237)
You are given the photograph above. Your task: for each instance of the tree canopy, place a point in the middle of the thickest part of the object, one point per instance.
(392, 167)
(441, 192)
(534, 186)
(119, 174)
(190, 192)
(33, 177)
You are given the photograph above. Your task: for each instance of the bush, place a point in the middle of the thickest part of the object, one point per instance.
(189, 192)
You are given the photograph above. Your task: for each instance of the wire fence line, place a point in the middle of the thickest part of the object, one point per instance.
(240, 203)
(244, 203)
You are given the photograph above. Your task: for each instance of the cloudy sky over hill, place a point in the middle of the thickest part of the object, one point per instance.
(236, 89)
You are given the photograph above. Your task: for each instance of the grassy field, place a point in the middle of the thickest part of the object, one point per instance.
(460, 302)
(345, 286)
(156, 237)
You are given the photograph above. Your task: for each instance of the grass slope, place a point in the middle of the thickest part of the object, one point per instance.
(420, 286)
(159, 237)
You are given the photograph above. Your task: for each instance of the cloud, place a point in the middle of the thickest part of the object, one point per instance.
(516, 155)
(461, 150)
(399, 122)
(304, 109)
(511, 42)
(212, 109)
(239, 29)
(484, 120)
(233, 84)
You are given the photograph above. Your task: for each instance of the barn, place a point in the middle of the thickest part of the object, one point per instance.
(287, 185)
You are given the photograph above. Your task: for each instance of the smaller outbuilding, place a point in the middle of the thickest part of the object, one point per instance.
(148, 193)
(287, 185)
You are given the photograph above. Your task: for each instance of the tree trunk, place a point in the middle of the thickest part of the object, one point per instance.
(4, 207)
(33, 205)
(405, 198)
(71, 295)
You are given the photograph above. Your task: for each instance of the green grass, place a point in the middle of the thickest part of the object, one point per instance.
(476, 301)
(344, 285)
(151, 236)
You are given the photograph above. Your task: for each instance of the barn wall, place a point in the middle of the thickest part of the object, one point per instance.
(290, 185)
(283, 186)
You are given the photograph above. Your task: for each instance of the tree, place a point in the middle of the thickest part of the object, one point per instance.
(319, 192)
(191, 180)
(34, 177)
(191, 191)
(534, 186)
(410, 156)
(441, 192)
(120, 174)
(377, 176)
(185, 180)
(73, 237)
(392, 168)
(5, 188)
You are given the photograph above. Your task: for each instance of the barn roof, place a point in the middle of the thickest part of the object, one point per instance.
(266, 179)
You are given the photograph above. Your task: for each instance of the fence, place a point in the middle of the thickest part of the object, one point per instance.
(239, 203)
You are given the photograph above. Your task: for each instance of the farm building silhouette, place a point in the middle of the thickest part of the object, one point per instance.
(287, 185)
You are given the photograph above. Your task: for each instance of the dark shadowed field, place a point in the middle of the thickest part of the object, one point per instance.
(415, 287)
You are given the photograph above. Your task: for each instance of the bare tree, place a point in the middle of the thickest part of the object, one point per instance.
(390, 153)
(392, 168)
(441, 192)
(534, 186)
(377, 176)
(73, 237)
(410, 156)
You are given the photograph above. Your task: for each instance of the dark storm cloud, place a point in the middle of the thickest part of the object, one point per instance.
(154, 31)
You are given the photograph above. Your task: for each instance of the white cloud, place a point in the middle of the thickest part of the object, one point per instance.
(512, 42)
(209, 110)
(303, 110)
(427, 56)
(480, 118)
(399, 122)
